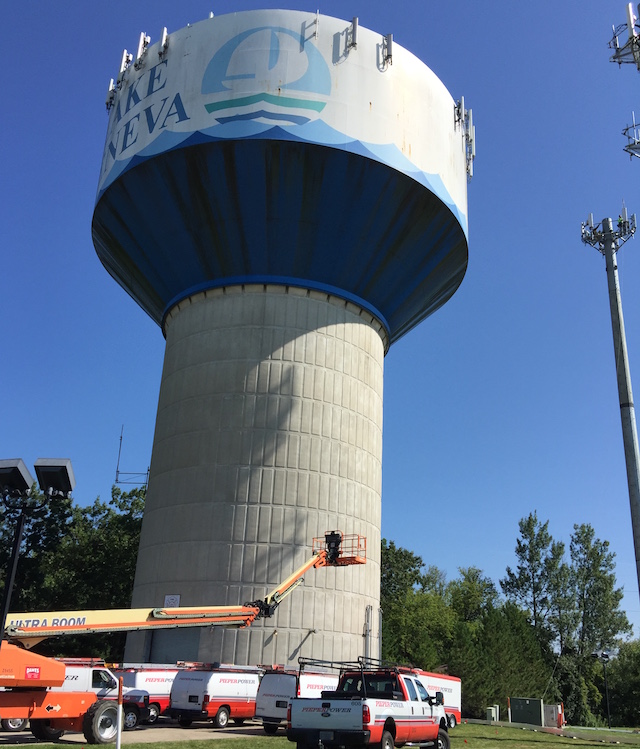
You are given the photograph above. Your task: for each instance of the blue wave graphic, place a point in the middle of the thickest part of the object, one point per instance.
(316, 131)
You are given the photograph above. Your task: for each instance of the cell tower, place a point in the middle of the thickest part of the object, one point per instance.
(628, 51)
(285, 194)
(608, 241)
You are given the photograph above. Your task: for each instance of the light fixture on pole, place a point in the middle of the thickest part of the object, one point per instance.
(55, 478)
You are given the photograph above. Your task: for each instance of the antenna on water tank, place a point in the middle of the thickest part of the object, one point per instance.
(387, 49)
(124, 64)
(353, 36)
(143, 43)
(164, 42)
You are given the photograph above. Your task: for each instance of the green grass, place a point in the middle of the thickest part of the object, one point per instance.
(464, 736)
(481, 736)
(241, 742)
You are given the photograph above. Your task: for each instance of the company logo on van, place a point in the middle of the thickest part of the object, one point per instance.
(291, 76)
(236, 681)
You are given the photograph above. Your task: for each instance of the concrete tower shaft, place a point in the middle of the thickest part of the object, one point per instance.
(269, 432)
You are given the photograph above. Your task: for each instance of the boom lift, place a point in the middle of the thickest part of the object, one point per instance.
(26, 675)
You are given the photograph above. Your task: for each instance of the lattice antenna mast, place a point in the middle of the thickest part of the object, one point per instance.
(135, 479)
(626, 50)
(632, 133)
(608, 240)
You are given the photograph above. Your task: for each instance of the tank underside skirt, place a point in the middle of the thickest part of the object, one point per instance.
(280, 212)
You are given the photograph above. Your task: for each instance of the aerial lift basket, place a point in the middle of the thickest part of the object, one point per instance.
(349, 548)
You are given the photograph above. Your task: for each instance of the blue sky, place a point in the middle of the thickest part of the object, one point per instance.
(501, 403)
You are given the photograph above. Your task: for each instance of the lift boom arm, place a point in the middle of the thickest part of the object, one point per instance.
(334, 550)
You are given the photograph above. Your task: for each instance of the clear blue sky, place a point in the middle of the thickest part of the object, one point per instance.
(501, 403)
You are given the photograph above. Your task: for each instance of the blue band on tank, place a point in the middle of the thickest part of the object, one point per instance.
(301, 283)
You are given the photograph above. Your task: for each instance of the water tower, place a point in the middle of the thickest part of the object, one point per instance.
(285, 194)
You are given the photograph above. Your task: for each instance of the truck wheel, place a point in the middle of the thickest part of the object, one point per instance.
(222, 718)
(387, 740)
(100, 722)
(14, 724)
(443, 739)
(270, 728)
(42, 730)
(185, 722)
(154, 714)
(131, 716)
(452, 721)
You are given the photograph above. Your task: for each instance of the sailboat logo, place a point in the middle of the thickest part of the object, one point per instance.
(267, 74)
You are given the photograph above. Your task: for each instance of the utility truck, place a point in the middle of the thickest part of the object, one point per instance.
(377, 704)
(30, 680)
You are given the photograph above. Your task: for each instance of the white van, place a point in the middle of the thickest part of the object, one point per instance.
(278, 687)
(198, 694)
(88, 675)
(154, 679)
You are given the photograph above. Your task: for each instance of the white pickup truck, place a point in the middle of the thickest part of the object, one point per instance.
(386, 706)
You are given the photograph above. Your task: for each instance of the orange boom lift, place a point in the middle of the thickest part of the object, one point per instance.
(26, 676)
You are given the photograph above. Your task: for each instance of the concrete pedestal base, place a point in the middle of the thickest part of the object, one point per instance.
(268, 434)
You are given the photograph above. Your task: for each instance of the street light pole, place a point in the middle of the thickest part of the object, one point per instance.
(15, 484)
(13, 566)
(605, 659)
(55, 477)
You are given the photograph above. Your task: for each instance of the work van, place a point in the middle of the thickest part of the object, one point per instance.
(278, 687)
(198, 694)
(87, 675)
(154, 679)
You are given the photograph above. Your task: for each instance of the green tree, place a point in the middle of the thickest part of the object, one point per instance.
(400, 574)
(600, 622)
(434, 580)
(93, 567)
(400, 571)
(531, 585)
(417, 623)
(472, 594)
(563, 615)
(420, 631)
(497, 657)
(623, 675)
(574, 685)
(46, 521)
